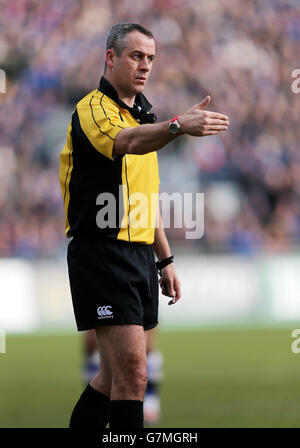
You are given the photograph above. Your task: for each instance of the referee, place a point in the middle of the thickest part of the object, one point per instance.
(112, 141)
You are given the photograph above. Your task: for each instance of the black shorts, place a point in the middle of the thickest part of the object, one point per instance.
(112, 283)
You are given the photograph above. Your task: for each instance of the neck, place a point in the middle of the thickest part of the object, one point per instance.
(125, 97)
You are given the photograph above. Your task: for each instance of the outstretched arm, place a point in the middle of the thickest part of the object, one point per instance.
(152, 137)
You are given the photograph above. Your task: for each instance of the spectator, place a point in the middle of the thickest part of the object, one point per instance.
(241, 53)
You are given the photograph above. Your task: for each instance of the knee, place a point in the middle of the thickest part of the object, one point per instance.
(132, 374)
(140, 381)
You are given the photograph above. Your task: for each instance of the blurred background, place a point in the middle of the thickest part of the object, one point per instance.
(227, 343)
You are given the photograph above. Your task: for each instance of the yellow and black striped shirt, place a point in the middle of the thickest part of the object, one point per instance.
(88, 169)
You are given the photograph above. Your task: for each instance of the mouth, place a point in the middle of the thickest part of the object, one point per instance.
(141, 78)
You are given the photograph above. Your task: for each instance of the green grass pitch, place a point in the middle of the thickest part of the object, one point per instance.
(234, 378)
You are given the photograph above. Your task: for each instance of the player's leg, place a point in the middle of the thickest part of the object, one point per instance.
(102, 381)
(92, 408)
(154, 377)
(124, 349)
(92, 366)
(90, 362)
(93, 289)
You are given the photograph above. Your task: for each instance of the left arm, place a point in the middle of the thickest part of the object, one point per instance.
(169, 282)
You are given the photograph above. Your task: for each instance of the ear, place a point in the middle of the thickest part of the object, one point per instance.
(110, 57)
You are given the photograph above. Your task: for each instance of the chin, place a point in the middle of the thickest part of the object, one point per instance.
(139, 86)
(139, 89)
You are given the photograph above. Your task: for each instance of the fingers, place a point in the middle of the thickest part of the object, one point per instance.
(171, 288)
(175, 299)
(204, 133)
(212, 126)
(197, 122)
(209, 120)
(212, 129)
(209, 114)
(216, 121)
(177, 296)
(215, 127)
(204, 103)
(167, 288)
(178, 289)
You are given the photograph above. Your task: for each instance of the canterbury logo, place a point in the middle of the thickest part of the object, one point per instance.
(103, 311)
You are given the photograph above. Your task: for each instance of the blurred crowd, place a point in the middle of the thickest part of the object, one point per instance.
(240, 52)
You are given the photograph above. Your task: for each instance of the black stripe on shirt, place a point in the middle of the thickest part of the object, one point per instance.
(67, 174)
(96, 121)
(108, 116)
(128, 199)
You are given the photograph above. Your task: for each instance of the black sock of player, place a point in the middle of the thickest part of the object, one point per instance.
(91, 410)
(126, 414)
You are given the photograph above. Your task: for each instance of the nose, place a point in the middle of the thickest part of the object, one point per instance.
(144, 65)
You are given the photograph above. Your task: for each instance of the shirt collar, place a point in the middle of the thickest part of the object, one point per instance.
(140, 109)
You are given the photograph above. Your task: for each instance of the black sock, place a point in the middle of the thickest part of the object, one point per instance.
(91, 410)
(126, 414)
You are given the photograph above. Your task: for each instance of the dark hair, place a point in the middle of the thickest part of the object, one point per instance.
(118, 32)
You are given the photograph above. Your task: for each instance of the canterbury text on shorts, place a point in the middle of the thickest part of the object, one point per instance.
(112, 283)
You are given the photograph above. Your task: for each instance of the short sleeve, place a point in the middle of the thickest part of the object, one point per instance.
(101, 123)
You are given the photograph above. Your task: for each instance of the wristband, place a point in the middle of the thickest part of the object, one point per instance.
(162, 264)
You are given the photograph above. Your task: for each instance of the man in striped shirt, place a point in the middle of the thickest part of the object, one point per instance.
(109, 164)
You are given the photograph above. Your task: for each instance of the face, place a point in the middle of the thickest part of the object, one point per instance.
(130, 70)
